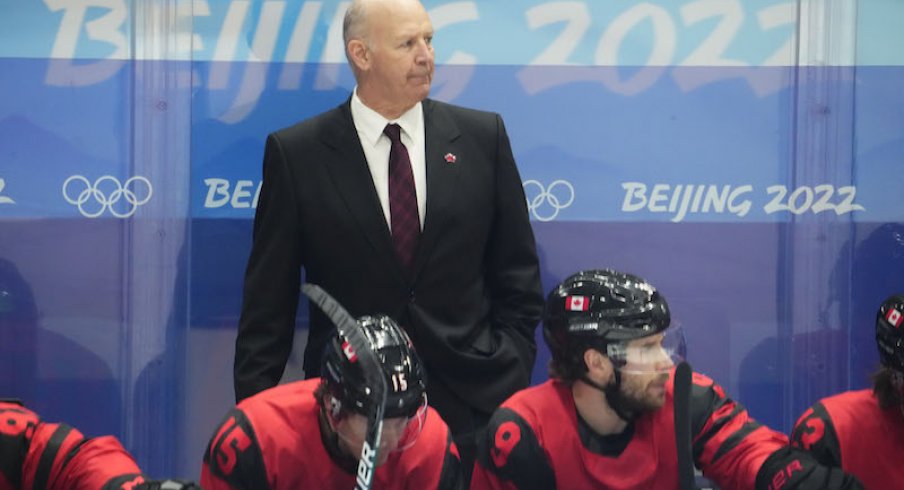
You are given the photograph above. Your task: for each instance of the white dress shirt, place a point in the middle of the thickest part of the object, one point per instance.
(376, 145)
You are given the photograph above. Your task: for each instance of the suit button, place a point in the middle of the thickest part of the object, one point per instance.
(411, 297)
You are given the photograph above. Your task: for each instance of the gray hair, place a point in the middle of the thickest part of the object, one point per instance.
(353, 22)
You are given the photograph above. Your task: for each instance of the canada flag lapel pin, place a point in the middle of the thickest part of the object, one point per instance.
(450, 158)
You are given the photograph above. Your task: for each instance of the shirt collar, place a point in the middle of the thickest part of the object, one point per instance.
(370, 123)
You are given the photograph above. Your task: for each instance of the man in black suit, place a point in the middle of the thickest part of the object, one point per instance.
(465, 283)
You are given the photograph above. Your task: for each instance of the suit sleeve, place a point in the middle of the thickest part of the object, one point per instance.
(233, 459)
(272, 277)
(513, 270)
(510, 457)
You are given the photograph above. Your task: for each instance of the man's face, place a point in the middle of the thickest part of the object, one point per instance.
(401, 50)
(646, 370)
(352, 430)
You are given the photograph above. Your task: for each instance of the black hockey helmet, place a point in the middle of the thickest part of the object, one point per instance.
(890, 332)
(405, 377)
(596, 308)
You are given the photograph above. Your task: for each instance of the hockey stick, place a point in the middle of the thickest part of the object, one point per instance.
(373, 373)
(682, 392)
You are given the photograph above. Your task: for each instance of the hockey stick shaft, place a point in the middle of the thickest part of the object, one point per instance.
(348, 328)
(682, 393)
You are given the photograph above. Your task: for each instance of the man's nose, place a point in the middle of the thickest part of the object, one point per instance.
(424, 53)
(665, 363)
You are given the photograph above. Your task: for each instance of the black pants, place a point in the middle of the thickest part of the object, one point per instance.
(468, 425)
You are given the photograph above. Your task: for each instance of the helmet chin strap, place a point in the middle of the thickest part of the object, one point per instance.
(330, 439)
(897, 380)
(612, 392)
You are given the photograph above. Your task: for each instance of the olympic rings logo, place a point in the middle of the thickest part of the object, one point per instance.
(107, 193)
(545, 203)
(4, 199)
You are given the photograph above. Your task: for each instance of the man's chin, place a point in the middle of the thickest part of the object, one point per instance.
(658, 403)
(654, 399)
(421, 90)
(382, 458)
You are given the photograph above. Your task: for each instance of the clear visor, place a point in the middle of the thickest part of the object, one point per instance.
(654, 354)
(398, 434)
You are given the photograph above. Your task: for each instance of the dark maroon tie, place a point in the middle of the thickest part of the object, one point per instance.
(406, 226)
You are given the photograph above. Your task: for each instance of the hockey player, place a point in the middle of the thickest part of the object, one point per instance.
(605, 419)
(862, 432)
(37, 455)
(308, 434)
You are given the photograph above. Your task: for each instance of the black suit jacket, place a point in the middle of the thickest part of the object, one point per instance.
(473, 300)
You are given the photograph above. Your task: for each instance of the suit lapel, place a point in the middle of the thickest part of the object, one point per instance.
(351, 177)
(441, 134)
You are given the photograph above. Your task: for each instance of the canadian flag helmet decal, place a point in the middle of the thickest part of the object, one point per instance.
(894, 317)
(577, 303)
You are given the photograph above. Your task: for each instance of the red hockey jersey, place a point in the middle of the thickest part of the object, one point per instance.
(852, 432)
(272, 441)
(537, 440)
(41, 456)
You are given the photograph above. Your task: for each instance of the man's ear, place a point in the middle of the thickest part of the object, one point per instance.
(359, 54)
(599, 368)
